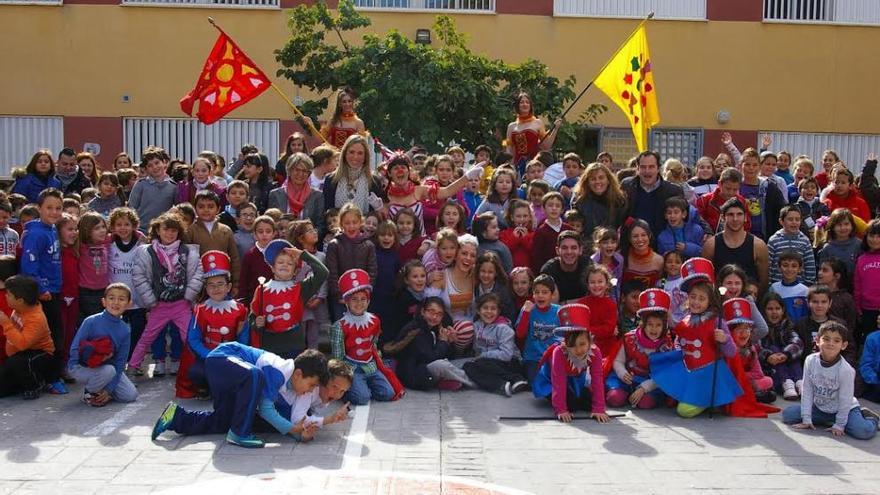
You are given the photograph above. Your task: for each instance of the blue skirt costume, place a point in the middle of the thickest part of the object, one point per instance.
(694, 387)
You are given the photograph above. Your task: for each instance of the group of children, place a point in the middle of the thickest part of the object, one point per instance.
(245, 295)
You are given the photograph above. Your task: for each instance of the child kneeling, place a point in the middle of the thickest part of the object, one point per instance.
(100, 349)
(631, 381)
(30, 364)
(827, 396)
(570, 373)
(353, 339)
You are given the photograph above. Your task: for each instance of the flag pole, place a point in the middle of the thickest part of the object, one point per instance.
(308, 122)
(283, 96)
(590, 84)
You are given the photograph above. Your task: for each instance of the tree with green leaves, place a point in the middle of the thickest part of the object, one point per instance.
(408, 92)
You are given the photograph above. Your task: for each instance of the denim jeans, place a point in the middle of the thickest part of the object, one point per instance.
(857, 426)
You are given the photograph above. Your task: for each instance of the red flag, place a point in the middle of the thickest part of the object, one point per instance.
(228, 80)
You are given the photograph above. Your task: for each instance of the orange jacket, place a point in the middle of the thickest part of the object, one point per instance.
(28, 330)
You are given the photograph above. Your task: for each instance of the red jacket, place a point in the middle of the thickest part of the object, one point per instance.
(544, 245)
(520, 247)
(853, 202)
(69, 272)
(603, 322)
(709, 207)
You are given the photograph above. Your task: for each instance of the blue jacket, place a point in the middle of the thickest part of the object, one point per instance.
(41, 255)
(693, 237)
(104, 324)
(870, 363)
(276, 372)
(31, 186)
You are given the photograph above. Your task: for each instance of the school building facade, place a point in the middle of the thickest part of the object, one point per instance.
(108, 74)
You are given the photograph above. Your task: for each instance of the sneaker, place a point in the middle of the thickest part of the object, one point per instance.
(159, 369)
(869, 414)
(57, 388)
(31, 394)
(799, 386)
(248, 442)
(520, 386)
(164, 421)
(788, 390)
(507, 389)
(132, 371)
(174, 367)
(450, 385)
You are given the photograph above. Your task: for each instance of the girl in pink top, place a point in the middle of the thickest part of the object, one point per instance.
(94, 272)
(867, 281)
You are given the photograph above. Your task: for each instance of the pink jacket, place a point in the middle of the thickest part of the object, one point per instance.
(866, 291)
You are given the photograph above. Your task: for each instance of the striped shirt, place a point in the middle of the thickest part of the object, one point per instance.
(799, 243)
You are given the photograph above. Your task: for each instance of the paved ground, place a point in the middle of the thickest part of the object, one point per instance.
(428, 443)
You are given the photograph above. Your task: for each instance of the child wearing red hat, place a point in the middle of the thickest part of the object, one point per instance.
(353, 340)
(631, 380)
(570, 374)
(277, 306)
(217, 320)
(695, 375)
(738, 317)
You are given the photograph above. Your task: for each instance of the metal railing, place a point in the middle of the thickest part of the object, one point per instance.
(186, 138)
(692, 10)
(465, 6)
(856, 12)
(22, 136)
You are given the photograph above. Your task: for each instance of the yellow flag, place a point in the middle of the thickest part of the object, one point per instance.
(628, 80)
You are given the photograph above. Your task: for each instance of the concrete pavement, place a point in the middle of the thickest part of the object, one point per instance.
(429, 442)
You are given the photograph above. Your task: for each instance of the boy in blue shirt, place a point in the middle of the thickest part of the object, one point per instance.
(100, 349)
(536, 322)
(793, 293)
(244, 380)
(41, 260)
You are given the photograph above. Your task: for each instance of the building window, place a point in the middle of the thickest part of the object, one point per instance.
(186, 138)
(691, 10)
(851, 148)
(621, 144)
(21, 137)
(685, 145)
(245, 4)
(476, 6)
(859, 12)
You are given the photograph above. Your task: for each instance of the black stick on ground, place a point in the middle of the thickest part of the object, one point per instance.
(554, 418)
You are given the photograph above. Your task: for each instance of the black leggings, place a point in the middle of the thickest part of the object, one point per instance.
(26, 371)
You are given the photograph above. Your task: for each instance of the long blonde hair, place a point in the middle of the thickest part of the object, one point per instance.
(344, 168)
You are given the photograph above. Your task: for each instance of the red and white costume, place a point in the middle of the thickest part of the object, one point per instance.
(359, 333)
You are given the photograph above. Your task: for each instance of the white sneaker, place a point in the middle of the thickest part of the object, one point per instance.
(174, 367)
(799, 385)
(788, 390)
(159, 369)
